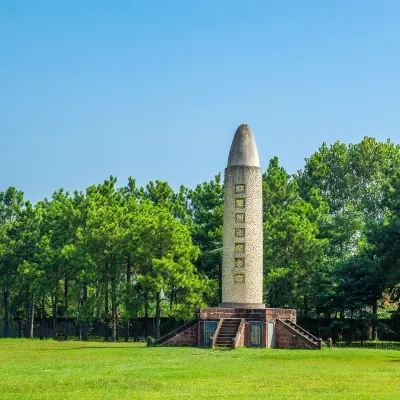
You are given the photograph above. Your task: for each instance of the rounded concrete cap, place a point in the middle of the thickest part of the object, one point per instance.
(243, 148)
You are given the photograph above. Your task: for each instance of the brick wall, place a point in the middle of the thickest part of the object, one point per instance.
(185, 338)
(272, 314)
(286, 339)
(250, 314)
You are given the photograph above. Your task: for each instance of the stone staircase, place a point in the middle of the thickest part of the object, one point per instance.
(185, 334)
(301, 335)
(227, 332)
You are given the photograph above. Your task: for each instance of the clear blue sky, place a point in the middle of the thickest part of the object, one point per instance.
(156, 89)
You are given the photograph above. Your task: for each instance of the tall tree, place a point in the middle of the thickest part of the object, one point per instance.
(206, 210)
(352, 179)
(103, 240)
(293, 252)
(11, 203)
(167, 245)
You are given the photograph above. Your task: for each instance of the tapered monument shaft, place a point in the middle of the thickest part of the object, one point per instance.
(242, 257)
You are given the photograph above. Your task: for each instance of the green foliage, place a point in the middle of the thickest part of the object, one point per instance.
(331, 245)
(292, 249)
(206, 210)
(358, 283)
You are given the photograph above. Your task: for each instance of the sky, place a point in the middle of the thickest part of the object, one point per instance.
(156, 89)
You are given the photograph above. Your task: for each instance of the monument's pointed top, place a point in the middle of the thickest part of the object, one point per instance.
(243, 148)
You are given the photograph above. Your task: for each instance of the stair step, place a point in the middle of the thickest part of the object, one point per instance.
(301, 332)
(227, 332)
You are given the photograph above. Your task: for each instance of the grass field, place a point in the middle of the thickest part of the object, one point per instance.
(31, 369)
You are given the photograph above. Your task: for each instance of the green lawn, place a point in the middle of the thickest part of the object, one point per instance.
(31, 369)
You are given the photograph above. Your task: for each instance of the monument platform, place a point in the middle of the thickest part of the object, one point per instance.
(238, 327)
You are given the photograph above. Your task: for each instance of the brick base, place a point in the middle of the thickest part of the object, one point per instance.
(249, 314)
(194, 335)
(189, 337)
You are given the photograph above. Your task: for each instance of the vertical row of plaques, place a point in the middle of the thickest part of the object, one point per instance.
(240, 233)
(209, 330)
(255, 334)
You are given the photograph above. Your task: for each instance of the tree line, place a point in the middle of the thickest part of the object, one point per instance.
(112, 254)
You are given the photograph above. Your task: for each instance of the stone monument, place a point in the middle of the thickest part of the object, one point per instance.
(242, 319)
(242, 255)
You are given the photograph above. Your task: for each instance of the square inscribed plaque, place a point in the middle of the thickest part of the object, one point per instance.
(239, 278)
(239, 247)
(240, 189)
(239, 232)
(239, 218)
(239, 262)
(240, 203)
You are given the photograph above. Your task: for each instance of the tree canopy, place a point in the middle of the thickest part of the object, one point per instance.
(113, 254)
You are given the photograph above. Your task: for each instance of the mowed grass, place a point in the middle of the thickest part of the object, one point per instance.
(31, 369)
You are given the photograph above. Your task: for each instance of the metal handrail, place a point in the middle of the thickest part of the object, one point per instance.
(302, 329)
(176, 331)
(285, 324)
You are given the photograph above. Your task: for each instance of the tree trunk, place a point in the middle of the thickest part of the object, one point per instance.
(374, 320)
(146, 315)
(42, 320)
(54, 312)
(362, 329)
(158, 314)
(32, 318)
(99, 304)
(137, 305)
(19, 328)
(66, 289)
(5, 303)
(27, 324)
(114, 308)
(84, 322)
(106, 312)
(127, 300)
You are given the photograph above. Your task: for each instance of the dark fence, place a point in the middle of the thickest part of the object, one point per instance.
(379, 345)
(351, 330)
(346, 330)
(139, 328)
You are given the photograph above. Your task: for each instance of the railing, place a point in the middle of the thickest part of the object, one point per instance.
(301, 329)
(235, 341)
(176, 331)
(213, 340)
(317, 343)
